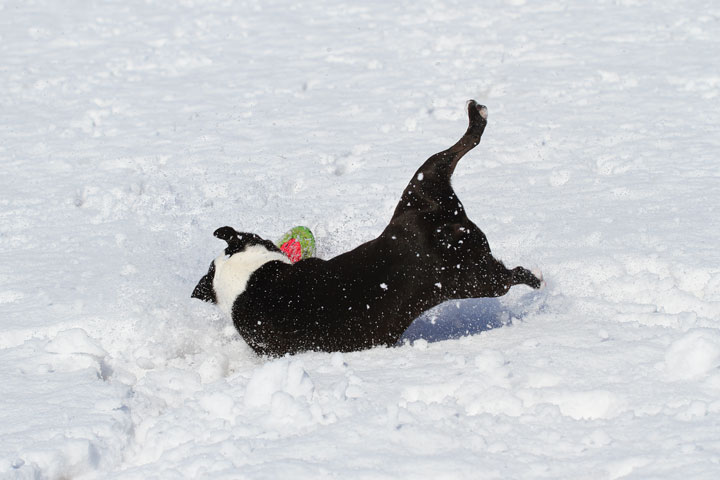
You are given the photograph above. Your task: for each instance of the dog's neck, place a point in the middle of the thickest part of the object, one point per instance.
(233, 272)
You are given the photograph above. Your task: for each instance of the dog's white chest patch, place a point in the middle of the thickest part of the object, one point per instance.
(233, 272)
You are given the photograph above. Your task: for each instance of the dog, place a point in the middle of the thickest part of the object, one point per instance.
(429, 253)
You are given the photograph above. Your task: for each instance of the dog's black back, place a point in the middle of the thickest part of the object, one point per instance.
(429, 253)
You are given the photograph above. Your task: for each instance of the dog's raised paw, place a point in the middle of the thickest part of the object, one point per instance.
(483, 111)
(480, 109)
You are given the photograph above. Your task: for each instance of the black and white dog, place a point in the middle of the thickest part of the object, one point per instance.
(429, 253)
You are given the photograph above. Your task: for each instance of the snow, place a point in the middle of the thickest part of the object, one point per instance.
(694, 354)
(132, 130)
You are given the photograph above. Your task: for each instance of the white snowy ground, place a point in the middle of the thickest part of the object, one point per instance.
(130, 130)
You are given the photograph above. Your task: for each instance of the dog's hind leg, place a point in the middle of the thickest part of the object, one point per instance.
(492, 279)
(521, 275)
(431, 184)
(502, 279)
(442, 164)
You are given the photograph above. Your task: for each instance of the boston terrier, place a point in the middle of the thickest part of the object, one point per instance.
(430, 252)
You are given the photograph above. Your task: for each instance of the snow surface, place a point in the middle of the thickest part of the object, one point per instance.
(130, 130)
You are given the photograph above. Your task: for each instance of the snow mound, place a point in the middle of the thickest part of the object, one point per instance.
(283, 379)
(75, 341)
(694, 354)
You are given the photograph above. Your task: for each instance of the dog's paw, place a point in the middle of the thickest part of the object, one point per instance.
(474, 108)
(535, 282)
(483, 111)
(525, 276)
(538, 274)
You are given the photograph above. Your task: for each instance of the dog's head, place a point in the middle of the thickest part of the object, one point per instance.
(230, 271)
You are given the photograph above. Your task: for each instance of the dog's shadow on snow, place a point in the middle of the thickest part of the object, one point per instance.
(459, 318)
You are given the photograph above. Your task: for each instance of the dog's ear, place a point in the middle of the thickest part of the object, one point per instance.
(226, 233)
(236, 241)
(204, 289)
